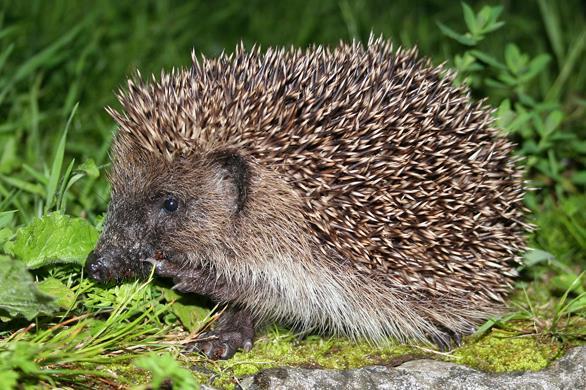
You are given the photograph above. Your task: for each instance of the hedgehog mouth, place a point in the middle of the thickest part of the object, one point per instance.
(163, 264)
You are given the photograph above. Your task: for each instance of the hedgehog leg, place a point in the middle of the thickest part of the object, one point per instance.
(193, 280)
(235, 327)
(234, 331)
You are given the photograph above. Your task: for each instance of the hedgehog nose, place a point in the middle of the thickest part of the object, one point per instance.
(96, 267)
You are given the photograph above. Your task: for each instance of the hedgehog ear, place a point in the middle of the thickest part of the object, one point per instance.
(235, 173)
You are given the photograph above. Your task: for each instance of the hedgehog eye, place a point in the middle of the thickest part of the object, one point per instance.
(171, 204)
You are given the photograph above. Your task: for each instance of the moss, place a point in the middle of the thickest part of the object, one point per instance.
(501, 351)
(498, 351)
(129, 373)
(280, 348)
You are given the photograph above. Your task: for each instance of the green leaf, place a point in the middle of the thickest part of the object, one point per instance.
(470, 19)
(9, 159)
(24, 185)
(572, 60)
(63, 295)
(190, 315)
(507, 79)
(488, 59)
(90, 168)
(579, 177)
(42, 58)
(466, 39)
(54, 238)
(551, 20)
(537, 256)
(487, 18)
(8, 379)
(21, 356)
(565, 282)
(535, 67)
(552, 122)
(577, 305)
(165, 367)
(5, 235)
(6, 218)
(38, 176)
(513, 58)
(466, 63)
(19, 294)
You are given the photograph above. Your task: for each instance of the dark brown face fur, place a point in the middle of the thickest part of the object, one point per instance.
(161, 209)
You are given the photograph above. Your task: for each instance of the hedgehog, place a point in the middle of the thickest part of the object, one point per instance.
(355, 190)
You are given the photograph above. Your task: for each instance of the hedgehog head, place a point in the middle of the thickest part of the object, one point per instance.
(166, 188)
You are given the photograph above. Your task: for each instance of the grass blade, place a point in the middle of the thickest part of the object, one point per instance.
(57, 164)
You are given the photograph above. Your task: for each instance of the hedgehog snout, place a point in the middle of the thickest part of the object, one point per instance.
(107, 264)
(98, 266)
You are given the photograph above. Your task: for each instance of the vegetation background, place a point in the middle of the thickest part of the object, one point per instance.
(61, 63)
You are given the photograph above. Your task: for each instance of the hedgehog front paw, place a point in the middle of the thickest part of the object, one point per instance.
(235, 330)
(222, 344)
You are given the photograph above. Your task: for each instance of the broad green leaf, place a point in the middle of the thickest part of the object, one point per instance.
(19, 295)
(54, 238)
(537, 256)
(191, 316)
(5, 235)
(6, 218)
(64, 296)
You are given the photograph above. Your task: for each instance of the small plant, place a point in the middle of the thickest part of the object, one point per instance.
(164, 369)
(534, 116)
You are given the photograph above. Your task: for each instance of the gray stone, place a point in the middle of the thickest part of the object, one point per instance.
(568, 372)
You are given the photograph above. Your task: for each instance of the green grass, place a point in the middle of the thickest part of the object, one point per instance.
(60, 65)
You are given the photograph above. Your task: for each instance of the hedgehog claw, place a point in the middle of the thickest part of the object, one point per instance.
(235, 331)
(220, 345)
(442, 341)
(457, 338)
(446, 339)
